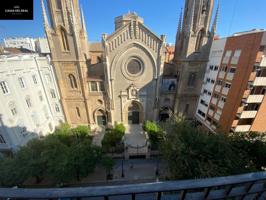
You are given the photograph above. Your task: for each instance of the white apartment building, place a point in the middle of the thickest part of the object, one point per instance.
(42, 46)
(210, 77)
(20, 42)
(29, 99)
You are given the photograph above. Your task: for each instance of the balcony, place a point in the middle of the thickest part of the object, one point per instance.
(260, 81)
(214, 101)
(249, 186)
(255, 98)
(221, 74)
(248, 114)
(218, 88)
(230, 76)
(242, 128)
(225, 91)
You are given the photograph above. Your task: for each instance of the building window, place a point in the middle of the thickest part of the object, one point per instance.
(64, 40)
(13, 109)
(45, 111)
(34, 78)
(4, 87)
(212, 81)
(211, 67)
(223, 99)
(28, 102)
(94, 87)
(52, 93)
(72, 81)
(40, 96)
(232, 70)
(215, 96)
(205, 91)
(201, 113)
(2, 140)
(215, 68)
(191, 79)
(48, 78)
(199, 40)
(78, 112)
(58, 4)
(57, 109)
(227, 85)
(219, 82)
(236, 56)
(208, 80)
(101, 86)
(21, 82)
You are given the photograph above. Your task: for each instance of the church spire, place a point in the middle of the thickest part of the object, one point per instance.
(214, 25)
(179, 29)
(45, 18)
(178, 36)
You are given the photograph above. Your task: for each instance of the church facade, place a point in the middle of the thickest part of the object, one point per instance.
(126, 77)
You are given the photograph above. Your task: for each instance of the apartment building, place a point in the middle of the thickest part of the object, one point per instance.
(20, 42)
(237, 102)
(29, 99)
(210, 77)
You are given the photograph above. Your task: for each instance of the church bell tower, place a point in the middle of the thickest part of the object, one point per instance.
(67, 37)
(193, 42)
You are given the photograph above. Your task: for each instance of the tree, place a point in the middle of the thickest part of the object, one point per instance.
(64, 156)
(113, 138)
(193, 153)
(155, 133)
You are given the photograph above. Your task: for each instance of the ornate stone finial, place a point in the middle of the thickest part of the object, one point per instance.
(179, 29)
(163, 37)
(214, 25)
(104, 36)
(83, 23)
(45, 18)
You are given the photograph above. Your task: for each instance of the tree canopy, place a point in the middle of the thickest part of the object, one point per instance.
(194, 153)
(64, 156)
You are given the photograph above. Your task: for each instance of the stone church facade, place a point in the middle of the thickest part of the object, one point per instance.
(124, 78)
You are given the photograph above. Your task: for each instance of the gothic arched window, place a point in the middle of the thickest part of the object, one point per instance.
(72, 81)
(199, 40)
(78, 112)
(58, 4)
(64, 39)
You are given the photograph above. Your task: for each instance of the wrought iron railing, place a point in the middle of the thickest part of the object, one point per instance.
(245, 186)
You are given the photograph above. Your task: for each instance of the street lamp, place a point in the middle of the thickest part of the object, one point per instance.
(122, 174)
(157, 168)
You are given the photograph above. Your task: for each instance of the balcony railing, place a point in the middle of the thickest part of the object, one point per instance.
(260, 81)
(248, 114)
(255, 98)
(242, 128)
(245, 186)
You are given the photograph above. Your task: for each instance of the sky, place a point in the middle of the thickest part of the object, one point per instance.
(160, 16)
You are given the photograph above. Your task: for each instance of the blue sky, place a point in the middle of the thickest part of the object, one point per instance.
(161, 16)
